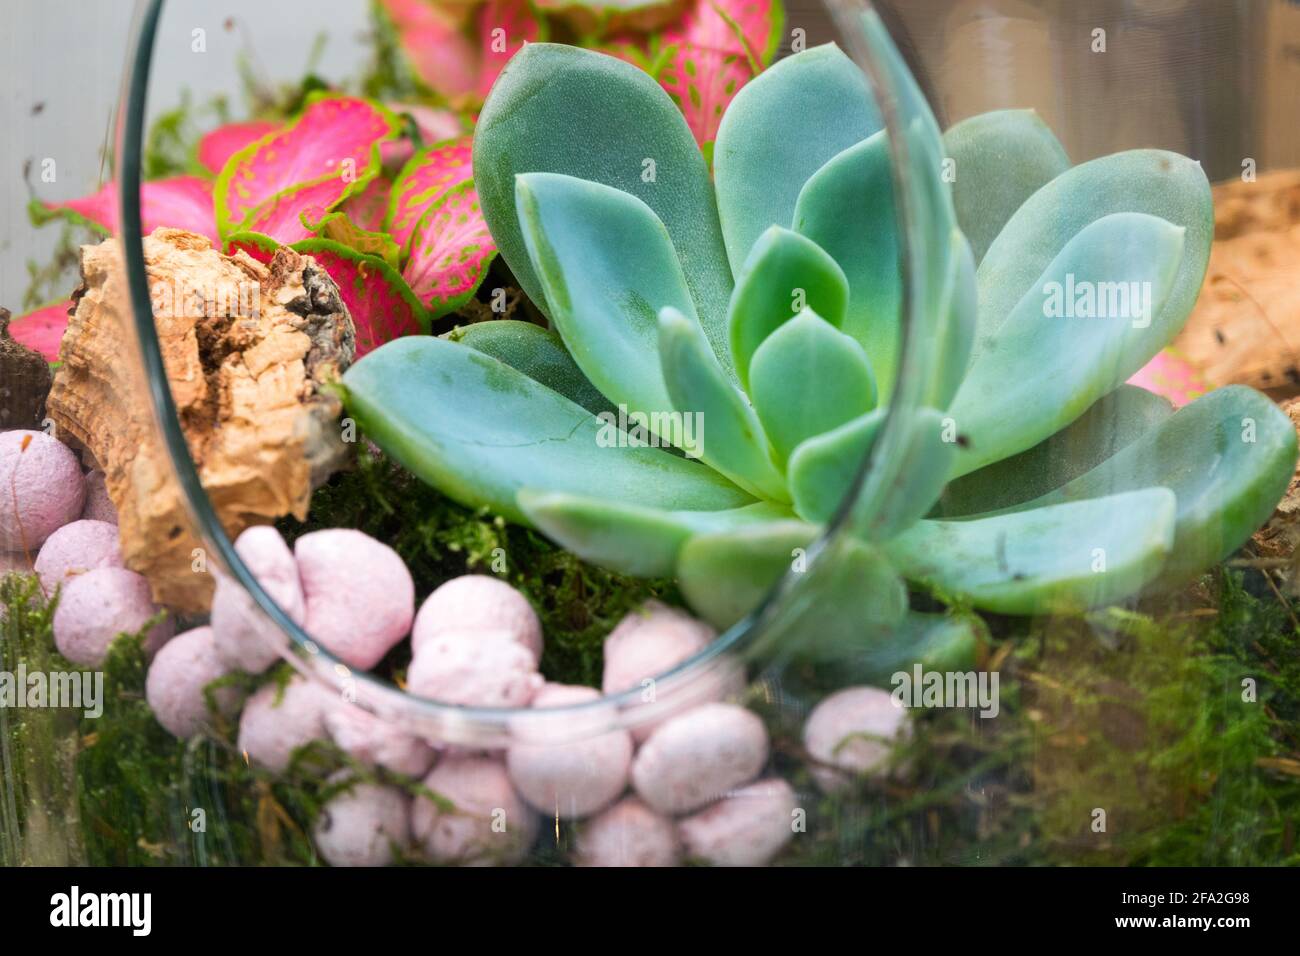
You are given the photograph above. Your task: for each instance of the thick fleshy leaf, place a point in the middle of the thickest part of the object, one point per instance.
(182, 202)
(781, 128)
(451, 250)
(382, 306)
(864, 243)
(422, 183)
(218, 145)
(785, 272)
(938, 642)
(547, 109)
(1055, 558)
(607, 267)
(1151, 181)
(923, 457)
(728, 436)
(1094, 317)
(628, 538)
(480, 432)
(1172, 377)
(807, 378)
(954, 336)
(1000, 160)
(823, 469)
(725, 576)
(335, 142)
(42, 330)
(1228, 457)
(537, 353)
(1112, 423)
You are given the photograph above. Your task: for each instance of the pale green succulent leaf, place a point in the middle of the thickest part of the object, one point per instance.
(952, 337)
(479, 431)
(785, 273)
(1055, 558)
(807, 378)
(937, 642)
(539, 354)
(1000, 159)
(1039, 372)
(924, 458)
(823, 469)
(725, 431)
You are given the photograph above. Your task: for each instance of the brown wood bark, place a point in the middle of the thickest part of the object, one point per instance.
(24, 381)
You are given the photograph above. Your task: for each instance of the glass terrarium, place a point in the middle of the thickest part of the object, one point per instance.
(615, 434)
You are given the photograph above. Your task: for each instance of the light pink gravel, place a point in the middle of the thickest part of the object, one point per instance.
(180, 671)
(275, 723)
(699, 755)
(486, 824)
(76, 548)
(649, 641)
(473, 603)
(97, 606)
(377, 743)
(246, 638)
(363, 826)
(854, 730)
(485, 669)
(41, 488)
(746, 828)
(98, 506)
(628, 834)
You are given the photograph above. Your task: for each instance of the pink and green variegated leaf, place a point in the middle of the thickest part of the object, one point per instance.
(369, 208)
(259, 246)
(439, 51)
(342, 229)
(451, 250)
(182, 202)
(217, 146)
(290, 216)
(42, 330)
(380, 302)
(429, 176)
(504, 26)
(433, 125)
(1172, 377)
(334, 143)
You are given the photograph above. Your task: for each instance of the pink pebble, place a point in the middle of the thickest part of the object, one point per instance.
(180, 671)
(487, 669)
(746, 828)
(76, 548)
(377, 743)
(575, 778)
(360, 597)
(628, 834)
(97, 606)
(41, 488)
(476, 602)
(486, 823)
(363, 826)
(854, 730)
(277, 722)
(98, 506)
(649, 641)
(699, 755)
(246, 638)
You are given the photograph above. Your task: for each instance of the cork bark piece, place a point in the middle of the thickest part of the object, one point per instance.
(249, 349)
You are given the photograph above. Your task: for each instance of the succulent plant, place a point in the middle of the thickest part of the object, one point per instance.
(763, 303)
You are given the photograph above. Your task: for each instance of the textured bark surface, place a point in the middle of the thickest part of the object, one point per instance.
(24, 381)
(1245, 328)
(248, 348)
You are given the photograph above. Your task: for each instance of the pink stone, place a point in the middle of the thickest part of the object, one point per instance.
(180, 672)
(97, 606)
(246, 638)
(80, 546)
(699, 755)
(476, 602)
(363, 825)
(628, 834)
(746, 828)
(41, 488)
(488, 824)
(854, 730)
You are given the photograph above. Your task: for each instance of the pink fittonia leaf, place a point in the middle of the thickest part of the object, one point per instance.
(334, 141)
(425, 180)
(369, 208)
(440, 53)
(504, 26)
(433, 125)
(182, 202)
(381, 304)
(260, 247)
(42, 330)
(343, 230)
(451, 249)
(289, 216)
(216, 147)
(1172, 377)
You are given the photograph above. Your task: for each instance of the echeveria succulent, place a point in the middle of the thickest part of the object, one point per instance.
(763, 303)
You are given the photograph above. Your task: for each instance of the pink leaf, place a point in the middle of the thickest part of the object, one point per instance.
(369, 208)
(434, 126)
(424, 181)
(441, 55)
(333, 143)
(282, 218)
(223, 142)
(451, 249)
(183, 202)
(517, 25)
(42, 330)
(1172, 377)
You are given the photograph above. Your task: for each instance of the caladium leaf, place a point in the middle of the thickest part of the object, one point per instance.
(422, 183)
(1053, 558)
(42, 330)
(1000, 159)
(450, 252)
(1228, 457)
(607, 267)
(181, 202)
(1151, 181)
(218, 145)
(734, 443)
(807, 378)
(543, 115)
(333, 143)
(823, 469)
(538, 353)
(481, 432)
(1112, 423)
(861, 179)
(629, 538)
(382, 306)
(781, 128)
(1056, 355)
(784, 274)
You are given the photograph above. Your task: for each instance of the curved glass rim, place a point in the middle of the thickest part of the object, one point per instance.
(458, 724)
